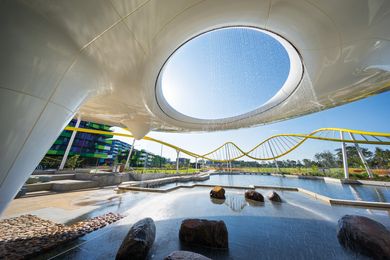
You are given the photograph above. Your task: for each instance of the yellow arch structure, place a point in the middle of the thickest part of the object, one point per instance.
(271, 148)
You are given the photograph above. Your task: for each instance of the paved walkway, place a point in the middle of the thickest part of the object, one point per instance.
(61, 207)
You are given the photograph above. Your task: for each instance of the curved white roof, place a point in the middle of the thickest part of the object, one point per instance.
(102, 58)
(116, 49)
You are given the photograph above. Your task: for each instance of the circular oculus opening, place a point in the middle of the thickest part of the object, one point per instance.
(228, 73)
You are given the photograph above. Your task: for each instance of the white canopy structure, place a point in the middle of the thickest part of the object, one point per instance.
(103, 58)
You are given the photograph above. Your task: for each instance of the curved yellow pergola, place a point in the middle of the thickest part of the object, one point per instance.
(271, 148)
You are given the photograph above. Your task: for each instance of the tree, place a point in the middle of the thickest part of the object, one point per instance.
(326, 159)
(353, 156)
(299, 164)
(308, 163)
(135, 158)
(381, 158)
(73, 161)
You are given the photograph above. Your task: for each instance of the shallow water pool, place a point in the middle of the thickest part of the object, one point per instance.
(330, 189)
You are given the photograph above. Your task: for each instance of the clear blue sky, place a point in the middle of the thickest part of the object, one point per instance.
(225, 73)
(228, 72)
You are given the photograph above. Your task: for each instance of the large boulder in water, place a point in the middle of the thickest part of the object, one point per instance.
(254, 195)
(138, 240)
(203, 232)
(365, 236)
(217, 193)
(185, 255)
(273, 196)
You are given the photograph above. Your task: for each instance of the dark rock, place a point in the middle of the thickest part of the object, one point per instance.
(138, 240)
(273, 196)
(365, 236)
(254, 195)
(217, 193)
(210, 233)
(185, 255)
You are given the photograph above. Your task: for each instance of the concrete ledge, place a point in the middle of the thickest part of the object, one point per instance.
(360, 203)
(103, 179)
(152, 176)
(46, 186)
(375, 183)
(55, 177)
(166, 180)
(332, 180)
(315, 195)
(70, 185)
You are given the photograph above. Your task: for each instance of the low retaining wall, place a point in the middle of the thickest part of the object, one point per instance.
(103, 179)
(71, 185)
(38, 187)
(166, 180)
(152, 176)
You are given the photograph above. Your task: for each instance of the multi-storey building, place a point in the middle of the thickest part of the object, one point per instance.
(94, 149)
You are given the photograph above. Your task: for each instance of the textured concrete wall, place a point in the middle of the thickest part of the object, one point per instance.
(103, 179)
(152, 176)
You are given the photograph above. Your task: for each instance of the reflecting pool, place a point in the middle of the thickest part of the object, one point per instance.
(331, 189)
(298, 228)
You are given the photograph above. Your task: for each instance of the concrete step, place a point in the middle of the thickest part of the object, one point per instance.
(55, 177)
(38, 193)
(70, 185)
(38, 186)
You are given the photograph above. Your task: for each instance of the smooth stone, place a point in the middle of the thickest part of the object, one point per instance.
(365, 236)
(138, 240)
(185, 255)
(217, 193)
(273, 196)
(254, 195)
(210, 233)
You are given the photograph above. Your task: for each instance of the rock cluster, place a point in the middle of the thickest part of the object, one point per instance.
(254, 195)
(203, 232)
(29, 235)
(217, 193)
(185, 255)
(138, 241)
(365, 236)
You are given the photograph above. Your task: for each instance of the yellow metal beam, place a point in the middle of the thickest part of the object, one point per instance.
(301, 137)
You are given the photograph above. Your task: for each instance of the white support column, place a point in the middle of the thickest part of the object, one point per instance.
(146, 160)
(177, 161)
(67, 150)
(276, 163)
(196, 163)
(161, 152)
(368, 170)
(129, 156)
(229, 161)
(345, 158)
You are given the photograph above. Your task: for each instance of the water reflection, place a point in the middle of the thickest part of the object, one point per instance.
(236, 203)
(217, 201)
(334, 190)
(254, 203)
